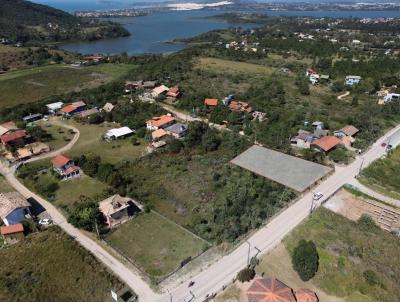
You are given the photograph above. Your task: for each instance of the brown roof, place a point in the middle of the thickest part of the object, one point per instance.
(173, 92)
(9, 125)
(60, 160)
(9, 137)
(269, 290)
(326, 143)
(12, 229)
(240, 106)
(349, 130)
(306, 295)
(71, 170)
(11, 201)
(68, 109)
(211, 102)
(158, 133)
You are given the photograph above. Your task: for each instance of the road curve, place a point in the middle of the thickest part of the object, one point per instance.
(132, 279)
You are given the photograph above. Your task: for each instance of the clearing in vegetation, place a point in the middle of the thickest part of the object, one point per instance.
(50, 266)
(155, 244)
(60, 135)
(383, 175)
(354, 257)
(4, 185)
(290, 171)
(30, 85)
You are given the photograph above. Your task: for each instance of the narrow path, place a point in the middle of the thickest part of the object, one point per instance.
(343, 95)
(375, 194)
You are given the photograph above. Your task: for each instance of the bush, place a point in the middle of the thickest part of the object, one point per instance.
(175, 146)
(86, 215)
(305, 259)
(246, 274)
(367, 222)
(339, 155)
(371, 277)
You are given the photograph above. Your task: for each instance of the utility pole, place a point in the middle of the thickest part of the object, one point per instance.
(361, 165)
(170, 295)
(312, 203)
(248, 254)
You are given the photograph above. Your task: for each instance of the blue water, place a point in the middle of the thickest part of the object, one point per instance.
(149, 33)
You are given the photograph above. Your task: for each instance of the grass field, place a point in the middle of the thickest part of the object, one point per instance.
(234, 67)
(60, 136)
(116, 151)
(4, 185)
(50, 266)
(30, 85)
(347, 249)
(155, 244)
(383, 175)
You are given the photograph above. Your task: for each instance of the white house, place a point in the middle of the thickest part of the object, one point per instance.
(390, 97)
(352, 80)
(54, 107)
(117, 133)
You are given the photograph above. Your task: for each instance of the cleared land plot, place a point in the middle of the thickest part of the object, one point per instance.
(60, 135)
(233, 67)
(30, 85)
(155, 244)
(50, 266)
(295, 173)
(383, 175)
(352, 207)
(4, 185)
(90, 141)
(348, 249)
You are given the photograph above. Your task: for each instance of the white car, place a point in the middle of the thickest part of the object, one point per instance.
(318, 196)
(45, 221)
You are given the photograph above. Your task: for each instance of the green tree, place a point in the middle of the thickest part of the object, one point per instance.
(175, 146)
(305, 259)
(246, 274)
(86, 215)
(210, 140)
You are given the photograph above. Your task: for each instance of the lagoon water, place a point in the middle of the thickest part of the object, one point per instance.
(149, 33)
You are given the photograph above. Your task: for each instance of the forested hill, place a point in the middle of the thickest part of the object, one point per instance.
(25, 21)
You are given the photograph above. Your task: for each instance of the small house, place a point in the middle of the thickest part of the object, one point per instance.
(32, 117)
(348, 130)
(326, 143)
(108, 107)
(7, 127)
(211, 102)
(149, 84)
(88, 112)
(177, 130)
(14, 138)
(160, 122)
(158, 134)
(118, 133)
(174, 92)
(117, 209)
(54, 107)
(240, 106)
(12, 233)
(14, 208)
(159, 90)
(131, 85)
(65, 167)
(391, 97)
(269, 290)
(352, 80)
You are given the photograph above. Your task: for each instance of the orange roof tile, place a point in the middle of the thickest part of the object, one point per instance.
(160, 121)
(158, 133)
(60, 160)
(12, 229)
(68, 109)
(9, 125)
(269, 290)
(306, 295)
(211, 102)
(326, 143)
(9, 137)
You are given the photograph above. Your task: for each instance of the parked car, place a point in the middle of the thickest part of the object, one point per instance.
(318, 196)
(45, 221)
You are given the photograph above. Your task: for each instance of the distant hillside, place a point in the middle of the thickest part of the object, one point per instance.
(25, 21)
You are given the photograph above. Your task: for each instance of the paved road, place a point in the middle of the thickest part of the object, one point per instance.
(131, 278)
(212, 279)
(374, 194)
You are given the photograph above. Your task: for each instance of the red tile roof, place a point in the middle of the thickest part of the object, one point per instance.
(326, 143)
(9, 137)
(240, 106)
(69, 109)
(12, 229)
(269, 290)
(211, 102)
(9, 125)
(60, 160)
(160, 121)
(306, 295)
(174, 92)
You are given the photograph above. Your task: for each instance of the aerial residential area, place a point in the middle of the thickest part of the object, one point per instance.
(227, 152)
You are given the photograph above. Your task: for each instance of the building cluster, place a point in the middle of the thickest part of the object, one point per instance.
(151, 90)
(321, 140)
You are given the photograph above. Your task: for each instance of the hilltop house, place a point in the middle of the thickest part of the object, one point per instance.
(108, 107)
(348, 130)
(159, 90)
(391, 97)
(118, 133)
(211, 102)
(352, 80)
(158, 122)
(14, 208)
(65, 167)
(12, 233)
(158, 134)
(117, 209)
